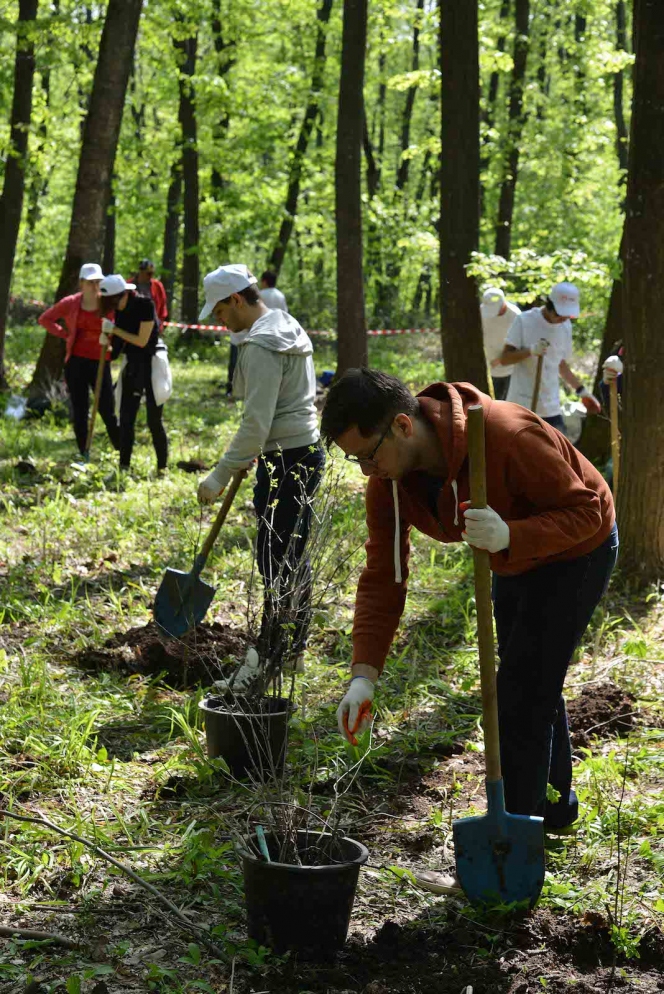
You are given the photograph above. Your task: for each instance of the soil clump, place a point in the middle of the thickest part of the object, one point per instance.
(201, 656)
(601, 710)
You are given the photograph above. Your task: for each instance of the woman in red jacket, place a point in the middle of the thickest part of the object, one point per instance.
(79, 313)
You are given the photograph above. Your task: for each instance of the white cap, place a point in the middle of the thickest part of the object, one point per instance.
(110, 285)
(565, 299)
(222, 283)
(90, 271)
(493, 299)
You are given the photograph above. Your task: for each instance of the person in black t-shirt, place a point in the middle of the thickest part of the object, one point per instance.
(136, 337)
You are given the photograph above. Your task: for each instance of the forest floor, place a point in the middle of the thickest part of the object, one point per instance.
(99, 734)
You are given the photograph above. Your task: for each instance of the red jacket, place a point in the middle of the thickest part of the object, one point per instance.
(67, 310)
(557, 504)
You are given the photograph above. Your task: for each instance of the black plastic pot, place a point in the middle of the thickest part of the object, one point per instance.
(249, 734)
(305, 909)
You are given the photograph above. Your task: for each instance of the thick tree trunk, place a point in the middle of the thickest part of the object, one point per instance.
(351, 327)
(300, 151)
(641, 490)
(169, 258)
(95, 169)
(108, 260)
(187, 117)
(461, 330)
(514, 130)
(622, 147)
(11, 202)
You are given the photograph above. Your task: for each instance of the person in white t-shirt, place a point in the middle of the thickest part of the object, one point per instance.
(497, 317)
(545, 331)
(271, 297)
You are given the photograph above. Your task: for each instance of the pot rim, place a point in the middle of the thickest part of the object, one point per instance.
(360, 859)
(203, 705)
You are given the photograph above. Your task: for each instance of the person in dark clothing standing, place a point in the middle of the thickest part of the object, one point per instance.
(79, 314)
(135, 335)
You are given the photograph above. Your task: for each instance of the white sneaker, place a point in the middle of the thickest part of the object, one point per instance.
(437, 882)
(244, 677)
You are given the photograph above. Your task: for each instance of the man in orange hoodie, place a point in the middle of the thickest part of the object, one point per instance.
(550, 529)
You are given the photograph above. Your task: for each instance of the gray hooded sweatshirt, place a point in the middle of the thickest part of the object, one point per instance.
(275, 376)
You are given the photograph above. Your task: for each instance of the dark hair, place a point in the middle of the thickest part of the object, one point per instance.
(109, 303)
(548, 303)
(269, 277)
(365, 398)
(250, 293)
(146, 264)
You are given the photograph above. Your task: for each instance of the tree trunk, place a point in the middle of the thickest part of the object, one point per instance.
(403, 167)
(306, 128)
(169, 258)
(461, 330)
(351, 327)
(514, 130)
(108, 260)
(618, 88)
(641, 489)
(225, 62)
(186, 49)
(11, 202)
(489, 112)
(95, 169)
(38, 180)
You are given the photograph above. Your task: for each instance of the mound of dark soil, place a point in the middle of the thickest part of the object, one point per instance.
(201, 656)
(602, 710)
(192, 465)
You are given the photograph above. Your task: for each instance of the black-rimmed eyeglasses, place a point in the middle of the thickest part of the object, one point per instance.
(370, 457)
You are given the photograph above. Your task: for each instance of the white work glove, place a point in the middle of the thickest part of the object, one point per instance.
(611, 368)
(354, 712)
(209, 489)
(485, 529)
(243, 678)
(539, 348)
(107, 326)
(104, 339)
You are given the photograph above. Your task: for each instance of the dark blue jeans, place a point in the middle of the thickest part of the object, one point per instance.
(286, 482)
(541, 617)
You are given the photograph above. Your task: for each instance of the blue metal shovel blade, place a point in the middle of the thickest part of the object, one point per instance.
(181, 602)
(499, 856)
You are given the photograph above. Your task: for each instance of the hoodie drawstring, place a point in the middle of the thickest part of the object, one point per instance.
(397, 534)
(456, 501)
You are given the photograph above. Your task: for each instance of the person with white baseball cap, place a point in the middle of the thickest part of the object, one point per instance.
(135, 335)
(275, 377)
(546, 331)
(497, 314)
(79, 313)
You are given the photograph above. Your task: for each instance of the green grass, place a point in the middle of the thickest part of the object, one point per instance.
(81, 559)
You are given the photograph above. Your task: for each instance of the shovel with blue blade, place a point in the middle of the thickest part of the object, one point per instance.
(499, 856)
(183, 598)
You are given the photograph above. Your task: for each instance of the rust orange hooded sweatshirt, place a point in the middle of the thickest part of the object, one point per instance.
(557, 505)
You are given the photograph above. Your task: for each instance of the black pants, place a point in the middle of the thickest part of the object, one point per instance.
(286, 481)
(232, 363)
(136, 381)
(81, 377)
(501, 385)
(540, 619)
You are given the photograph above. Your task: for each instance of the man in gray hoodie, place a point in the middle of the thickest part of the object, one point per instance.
(276, 379)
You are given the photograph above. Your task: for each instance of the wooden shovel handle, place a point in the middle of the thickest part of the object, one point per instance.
(615, 435)
(95, 399)
(538, 382)
(221, 516)
(476, 458)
